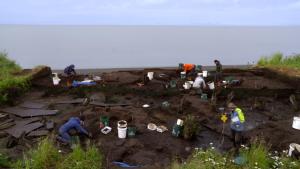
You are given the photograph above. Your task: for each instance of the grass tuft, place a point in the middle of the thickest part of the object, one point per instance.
(278, 60)
(11, 84)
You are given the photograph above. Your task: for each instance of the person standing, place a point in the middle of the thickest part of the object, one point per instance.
(237, 123)
(218, 75)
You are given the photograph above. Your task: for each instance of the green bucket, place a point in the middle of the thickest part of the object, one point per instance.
(173, 83)
(176, 131)
(203, 96)
(105, 120)
(131, 131)
(74, 141)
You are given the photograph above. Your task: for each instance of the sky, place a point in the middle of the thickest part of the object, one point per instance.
(150, 12)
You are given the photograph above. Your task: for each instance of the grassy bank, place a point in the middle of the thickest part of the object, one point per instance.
(46, 156)
(11, 82)
(277, 60)
(255, 157)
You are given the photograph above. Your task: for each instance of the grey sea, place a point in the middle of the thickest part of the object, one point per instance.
(91, 47)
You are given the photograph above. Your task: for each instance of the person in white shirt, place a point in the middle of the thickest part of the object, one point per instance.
(199, 83)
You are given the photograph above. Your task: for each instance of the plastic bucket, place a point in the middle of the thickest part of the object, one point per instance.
(173, 83)
(187, 85)
(122, 124)
(104, 120)
(122, 131)
(204, 73)
(291, 151)
(179, 122)
(211, 85)
(150, 75)
(182, 75)
(204, 96)
(176, 130)
(296, 123)
(131, 131)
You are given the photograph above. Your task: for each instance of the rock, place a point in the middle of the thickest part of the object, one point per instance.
(42, 76)
(130, 143)
(120, 142)
(187, 149)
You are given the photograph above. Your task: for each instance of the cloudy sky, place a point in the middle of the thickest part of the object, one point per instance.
(151, 12)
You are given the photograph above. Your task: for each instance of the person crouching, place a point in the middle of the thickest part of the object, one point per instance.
(73, 123)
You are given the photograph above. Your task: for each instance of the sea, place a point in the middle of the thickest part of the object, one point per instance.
(103, 46)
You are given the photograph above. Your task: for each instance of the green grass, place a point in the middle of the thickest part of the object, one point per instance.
(4, 161)
(256, 156)
(11, 84)
(80, 159)
(278, 60)
(47, 156)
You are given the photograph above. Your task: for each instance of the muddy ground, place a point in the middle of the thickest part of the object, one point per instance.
(263, 98)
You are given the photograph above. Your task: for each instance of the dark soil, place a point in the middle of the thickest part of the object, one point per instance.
(265, 102)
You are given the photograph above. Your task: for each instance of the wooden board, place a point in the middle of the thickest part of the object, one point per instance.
(17, 131)
(108, 105)
(38, 133)
(71, 101)
(33, 105)
(29, 112)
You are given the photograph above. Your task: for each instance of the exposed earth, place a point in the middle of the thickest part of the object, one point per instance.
(263, 96)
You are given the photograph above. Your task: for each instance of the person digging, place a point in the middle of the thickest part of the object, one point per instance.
(73, 123)
(237, 123)
(190, 69)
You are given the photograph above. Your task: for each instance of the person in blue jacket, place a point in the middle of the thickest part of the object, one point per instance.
(70, 70)
(73, 123)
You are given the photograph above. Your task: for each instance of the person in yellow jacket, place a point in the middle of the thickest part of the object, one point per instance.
(237, 123)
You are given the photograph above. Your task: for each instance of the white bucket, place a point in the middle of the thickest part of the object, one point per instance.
(291, 151)
(122, 132)
(122, 123)
(296, 123)
(182, 75)
(55, 79)
(179, 122)
(187, 85)
(204, 73)
(211, 85)
(150, 75)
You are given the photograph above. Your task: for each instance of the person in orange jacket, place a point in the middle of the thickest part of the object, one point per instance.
(188, 68)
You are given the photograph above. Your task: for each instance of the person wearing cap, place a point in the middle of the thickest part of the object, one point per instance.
(218, 75)
(73, 123)
(70, 70)
(237, 123)
(199, 83)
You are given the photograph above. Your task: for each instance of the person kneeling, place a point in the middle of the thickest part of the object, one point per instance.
(73, 123)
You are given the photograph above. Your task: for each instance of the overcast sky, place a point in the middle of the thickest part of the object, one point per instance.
(151, 12)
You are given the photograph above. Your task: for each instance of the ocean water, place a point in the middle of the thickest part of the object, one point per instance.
(143, 46)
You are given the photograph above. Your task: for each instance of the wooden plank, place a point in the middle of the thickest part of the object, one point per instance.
(49, 125)
(17, 131)
(6, 121)
(108, 105)
(73, 101)
(33, 105)
(29, 112)
(38, 133)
